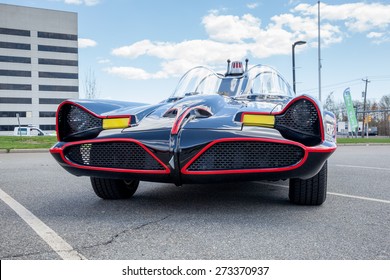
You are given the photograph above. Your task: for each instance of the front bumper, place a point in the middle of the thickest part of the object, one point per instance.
(185, 158)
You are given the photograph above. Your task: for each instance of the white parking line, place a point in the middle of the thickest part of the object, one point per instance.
(59, 245)
(340, 194)
(363, 167)
(360, 197)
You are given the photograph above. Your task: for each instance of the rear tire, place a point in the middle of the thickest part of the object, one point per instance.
(114, 188)
(310, 191)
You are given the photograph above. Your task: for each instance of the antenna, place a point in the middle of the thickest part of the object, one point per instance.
(228, 66)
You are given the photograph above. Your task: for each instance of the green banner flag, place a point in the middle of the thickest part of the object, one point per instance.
(350, 110)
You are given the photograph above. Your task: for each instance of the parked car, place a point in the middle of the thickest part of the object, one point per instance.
(28, 131)
(372, 131)
(244, 125)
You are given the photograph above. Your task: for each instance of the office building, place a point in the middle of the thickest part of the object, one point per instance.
(38, 65)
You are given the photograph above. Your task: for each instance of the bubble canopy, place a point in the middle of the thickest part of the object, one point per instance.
(260, 81)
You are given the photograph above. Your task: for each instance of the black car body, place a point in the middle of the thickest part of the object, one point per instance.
(240, 126)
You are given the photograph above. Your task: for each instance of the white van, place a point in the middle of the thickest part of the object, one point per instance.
(28, 131)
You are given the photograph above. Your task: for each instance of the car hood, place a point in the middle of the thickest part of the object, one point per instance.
(219, 112)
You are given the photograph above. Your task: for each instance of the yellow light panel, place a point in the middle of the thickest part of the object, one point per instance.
(116, 123)
(259, 120)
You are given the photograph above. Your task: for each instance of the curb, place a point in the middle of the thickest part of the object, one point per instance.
(363, 144)
(46, 150)
(20, 151)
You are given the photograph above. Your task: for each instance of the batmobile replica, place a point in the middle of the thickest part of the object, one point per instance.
(245, 125)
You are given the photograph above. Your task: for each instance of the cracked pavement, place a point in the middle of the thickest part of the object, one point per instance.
(252, 220)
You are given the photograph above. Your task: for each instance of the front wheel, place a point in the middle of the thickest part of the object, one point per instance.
(310, 191)
(114, 188)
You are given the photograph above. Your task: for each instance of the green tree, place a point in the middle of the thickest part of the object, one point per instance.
(384, 125)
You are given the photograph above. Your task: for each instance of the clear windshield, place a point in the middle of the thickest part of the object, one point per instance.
(259, 81)
(266, 81)
(198, 80)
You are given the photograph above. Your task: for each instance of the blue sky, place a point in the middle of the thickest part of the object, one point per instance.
(138, 49)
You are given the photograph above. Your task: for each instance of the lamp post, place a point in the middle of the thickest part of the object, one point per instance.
(293, 59)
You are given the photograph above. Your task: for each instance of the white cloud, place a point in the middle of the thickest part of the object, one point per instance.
(375, 35)
(378, 37)
(231, 29)
(103, 61)
(135, 50)
(133, 73)
(85, 43)
(196, 51)
(237, 37)
(252, 5)
(357, 17)
(80, 2)
(74, 2)
(129, 73)
(177, 57)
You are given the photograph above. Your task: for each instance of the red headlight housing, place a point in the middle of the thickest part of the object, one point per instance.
(301, 122)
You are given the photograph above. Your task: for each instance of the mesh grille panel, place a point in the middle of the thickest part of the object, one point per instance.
(301, 116)
(247, 155)
(72, 119)
(122, 155)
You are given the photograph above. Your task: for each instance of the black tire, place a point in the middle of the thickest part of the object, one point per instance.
(114, 189)
(311, 191)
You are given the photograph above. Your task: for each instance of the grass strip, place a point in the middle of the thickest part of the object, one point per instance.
(45, 142)
(359, 140)
(25, 142)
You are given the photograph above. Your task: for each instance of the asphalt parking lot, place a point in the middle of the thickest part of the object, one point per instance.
(233, 221)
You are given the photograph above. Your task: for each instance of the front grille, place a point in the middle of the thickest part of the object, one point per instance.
(301, 116)
(247, 155)
(116, 155)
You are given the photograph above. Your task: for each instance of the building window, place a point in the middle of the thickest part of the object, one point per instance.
(49, 61)
(7, 127)
(16, 32)
(18, 46)
(47, 126)
(47, 114)
(50, 101)
(15, 87)
(12, 114)
(15, 100)
(58, 88)
(58, 75)
(15, 73)
(46, 48)
(61, 36)
(15, 59)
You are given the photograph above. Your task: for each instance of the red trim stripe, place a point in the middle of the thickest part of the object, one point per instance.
(61, 152)
(307, 150)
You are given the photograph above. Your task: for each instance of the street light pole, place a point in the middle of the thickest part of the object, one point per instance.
(293, 61)
(364, 108)
(319, 52)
